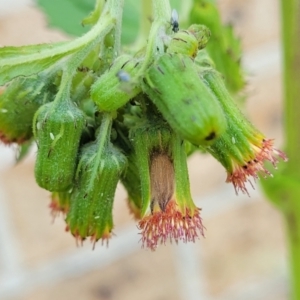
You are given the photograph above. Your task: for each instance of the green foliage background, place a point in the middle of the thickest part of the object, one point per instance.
(68, 14)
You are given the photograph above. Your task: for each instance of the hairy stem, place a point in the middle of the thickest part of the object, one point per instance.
(116, 11)
(291, 75)
(155, 45)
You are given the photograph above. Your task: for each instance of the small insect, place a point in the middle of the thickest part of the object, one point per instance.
(83, 69)
(123, 76)
(175, 20)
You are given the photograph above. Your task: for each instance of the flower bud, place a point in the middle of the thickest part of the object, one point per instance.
(148, 139)
(168, 211)
(183, 42)
(18, 104)
(60, 203)
(188, 105)
(57, 129)
(114, 88)
(202, 34)
(189, 41)
(98, 173)
(242, 149)
(132, 183)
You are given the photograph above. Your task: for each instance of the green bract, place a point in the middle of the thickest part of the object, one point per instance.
(92, 198)
(191, 109)
(19, 102)
(115, 87)
(57, 129)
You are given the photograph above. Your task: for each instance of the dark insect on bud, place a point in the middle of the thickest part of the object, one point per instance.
(162, 180)
(175, 20)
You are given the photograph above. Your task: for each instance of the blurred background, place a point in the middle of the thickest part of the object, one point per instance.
(243, 255)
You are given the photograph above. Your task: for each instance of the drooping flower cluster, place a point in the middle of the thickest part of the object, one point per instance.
(99, 117)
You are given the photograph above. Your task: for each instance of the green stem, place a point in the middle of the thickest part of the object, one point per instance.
(59, 50)
(144, 25)
(76, 59)
(103, 137)
(116, 11)
(291, 74)
(156, 45)
(161, 10)
(182, 182)
(291, 45)
(292, 216)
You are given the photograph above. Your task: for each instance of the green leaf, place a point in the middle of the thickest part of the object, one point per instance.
(77, 10)
(224, 47)
(130, 26)
(23, 150)
(67, 14)
(27, 60)
(283, 189)
(11, 51)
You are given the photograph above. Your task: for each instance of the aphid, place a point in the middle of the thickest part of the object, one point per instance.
(162, 180)
(175, 20)
(123, 76)
(83, 69)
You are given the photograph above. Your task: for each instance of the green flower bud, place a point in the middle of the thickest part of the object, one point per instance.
(202, 34)
(189, 41)
(168, 211)
(132, 183)
(188, 105)
(149, 139)
(92, 198)
(183, 42)
(242, 149)
(114, 88)
(60, 203)
(18, 104)
(203, 60)
(57, 129)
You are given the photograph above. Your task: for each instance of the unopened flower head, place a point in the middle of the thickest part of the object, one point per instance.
(131, 181)
(253, 165)
(60, 203)
(98, 172)
(242, 149)
(168, 211)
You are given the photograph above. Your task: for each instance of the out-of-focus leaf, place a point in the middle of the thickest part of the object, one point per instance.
(280, 188)
(224, 47)
(23, 151)
(176, 4)
(67, 14)
(131, 18)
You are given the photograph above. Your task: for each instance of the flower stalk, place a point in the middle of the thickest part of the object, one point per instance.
(287, 192)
